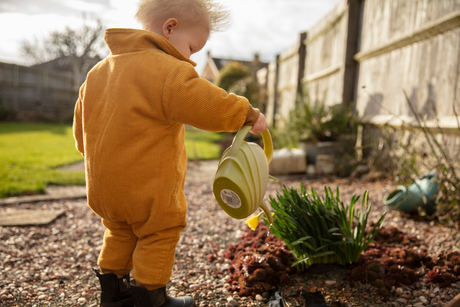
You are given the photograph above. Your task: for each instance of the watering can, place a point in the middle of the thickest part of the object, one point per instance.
(242, 176)
(422, 193)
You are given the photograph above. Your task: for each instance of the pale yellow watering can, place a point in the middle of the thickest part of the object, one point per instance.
(242, 176)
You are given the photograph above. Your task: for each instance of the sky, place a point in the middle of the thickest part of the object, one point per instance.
(266, 27)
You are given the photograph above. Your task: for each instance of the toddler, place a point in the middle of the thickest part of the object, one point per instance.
(129, 125)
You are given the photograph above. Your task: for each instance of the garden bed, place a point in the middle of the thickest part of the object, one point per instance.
(51, 265)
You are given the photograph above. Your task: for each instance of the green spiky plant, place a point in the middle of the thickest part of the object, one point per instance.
(322, 229)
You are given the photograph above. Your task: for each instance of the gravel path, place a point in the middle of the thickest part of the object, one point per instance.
(51, 265)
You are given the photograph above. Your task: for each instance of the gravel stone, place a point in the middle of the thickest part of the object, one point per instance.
(423, 299)
(401, 300)
(232, 303)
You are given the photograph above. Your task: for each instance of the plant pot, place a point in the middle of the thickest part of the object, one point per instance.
(322, 148)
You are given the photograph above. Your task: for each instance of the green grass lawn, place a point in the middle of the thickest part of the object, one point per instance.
(30, 152)
(201, 144)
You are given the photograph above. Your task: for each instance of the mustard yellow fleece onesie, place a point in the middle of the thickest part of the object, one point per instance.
(129, 125)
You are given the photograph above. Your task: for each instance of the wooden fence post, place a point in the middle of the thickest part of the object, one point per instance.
(353, 33)
(15, 87)
(302, 61)
(275, 91)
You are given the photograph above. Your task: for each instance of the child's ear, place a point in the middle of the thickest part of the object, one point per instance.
(169, 26)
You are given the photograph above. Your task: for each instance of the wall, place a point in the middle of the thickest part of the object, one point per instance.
(36, 94)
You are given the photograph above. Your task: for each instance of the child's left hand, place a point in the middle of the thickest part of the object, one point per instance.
(260, 125)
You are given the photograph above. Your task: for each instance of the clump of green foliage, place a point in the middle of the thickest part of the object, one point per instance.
(322, 229)
(314, 121)
(6, 113)
(231, 74)
(237, 78)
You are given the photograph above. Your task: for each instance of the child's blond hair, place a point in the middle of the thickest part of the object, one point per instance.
(153, 13)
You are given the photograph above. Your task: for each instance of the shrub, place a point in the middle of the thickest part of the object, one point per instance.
(231, 74)
(322, 229)
(237, 78)
(314, 121)
(6, 113)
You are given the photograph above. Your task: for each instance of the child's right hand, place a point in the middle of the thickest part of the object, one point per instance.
(260, 125)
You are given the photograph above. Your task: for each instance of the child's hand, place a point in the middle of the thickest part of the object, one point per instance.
(260, 125)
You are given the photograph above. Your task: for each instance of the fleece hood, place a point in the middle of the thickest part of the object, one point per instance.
(122, 41)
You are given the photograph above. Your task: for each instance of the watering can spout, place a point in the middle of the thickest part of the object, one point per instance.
(263, 205)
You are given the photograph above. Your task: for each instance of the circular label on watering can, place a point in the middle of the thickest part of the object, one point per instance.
(230, 198)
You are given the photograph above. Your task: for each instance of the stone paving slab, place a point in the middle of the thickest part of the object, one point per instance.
(52, 193)
(18, 217)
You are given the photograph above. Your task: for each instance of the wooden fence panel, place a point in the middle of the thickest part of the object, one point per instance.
(325, 56)
(36, 94)
(411, 46)
(288, 65)
(387, 20)
(271, 93)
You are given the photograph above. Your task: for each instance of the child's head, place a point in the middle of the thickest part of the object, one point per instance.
(181, 20)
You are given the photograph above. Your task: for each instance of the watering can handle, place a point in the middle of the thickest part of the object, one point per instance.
(266, 137)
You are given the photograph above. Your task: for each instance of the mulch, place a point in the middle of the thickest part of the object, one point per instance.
(51, 265)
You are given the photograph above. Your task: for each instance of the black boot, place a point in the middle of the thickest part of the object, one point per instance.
(158, 298)
(114, 292)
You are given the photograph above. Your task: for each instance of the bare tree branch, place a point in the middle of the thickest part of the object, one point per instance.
(79, 46)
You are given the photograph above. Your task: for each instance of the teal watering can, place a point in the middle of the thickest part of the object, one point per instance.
(422, 193)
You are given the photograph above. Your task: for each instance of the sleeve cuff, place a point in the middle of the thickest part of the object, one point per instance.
(251, 116)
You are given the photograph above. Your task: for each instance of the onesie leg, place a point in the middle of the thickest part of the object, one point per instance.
(117, 250)
(154, 258)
